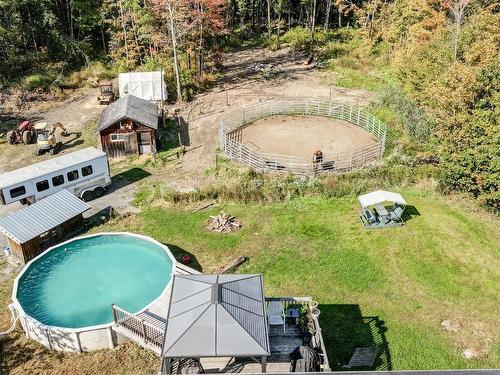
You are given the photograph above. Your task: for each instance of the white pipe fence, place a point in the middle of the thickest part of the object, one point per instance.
(336, 162)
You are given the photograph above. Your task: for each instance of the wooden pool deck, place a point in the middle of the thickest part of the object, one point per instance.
(147, 330)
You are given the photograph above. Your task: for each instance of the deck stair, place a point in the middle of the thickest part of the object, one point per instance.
(147, 327)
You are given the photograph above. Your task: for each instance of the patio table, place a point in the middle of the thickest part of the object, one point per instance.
(381, 210)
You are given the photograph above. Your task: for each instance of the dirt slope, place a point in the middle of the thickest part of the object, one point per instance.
(251, 75)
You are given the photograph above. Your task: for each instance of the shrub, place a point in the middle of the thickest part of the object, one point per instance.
(39, 81)
(249, 186)
(88, 76)
(299, 38)
(416, 122)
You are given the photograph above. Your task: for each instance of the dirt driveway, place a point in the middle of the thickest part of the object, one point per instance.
(75, 114)
(250, 76)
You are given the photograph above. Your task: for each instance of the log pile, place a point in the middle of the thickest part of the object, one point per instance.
(223, 223)
(233, 265)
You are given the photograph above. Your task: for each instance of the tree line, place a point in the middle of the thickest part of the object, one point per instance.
(440, 58)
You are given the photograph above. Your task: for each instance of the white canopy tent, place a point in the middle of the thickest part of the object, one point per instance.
(380, 196)
(145, 85)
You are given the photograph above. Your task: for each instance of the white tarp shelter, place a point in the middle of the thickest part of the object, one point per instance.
(145, 85)
(380, 196)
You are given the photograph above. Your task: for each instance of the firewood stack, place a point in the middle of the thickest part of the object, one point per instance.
(223, 223)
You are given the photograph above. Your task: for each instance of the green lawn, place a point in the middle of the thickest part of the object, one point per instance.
(391, 287)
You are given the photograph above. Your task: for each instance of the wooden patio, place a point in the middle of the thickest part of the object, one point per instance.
(147, 330)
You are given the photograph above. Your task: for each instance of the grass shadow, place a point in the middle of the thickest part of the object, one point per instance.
(178, 252)
(344, 329)
(74, 141)
(410, 211)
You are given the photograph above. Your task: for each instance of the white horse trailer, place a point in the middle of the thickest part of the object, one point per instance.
(84, 173)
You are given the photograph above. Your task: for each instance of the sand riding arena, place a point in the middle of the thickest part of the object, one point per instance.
(305, 137)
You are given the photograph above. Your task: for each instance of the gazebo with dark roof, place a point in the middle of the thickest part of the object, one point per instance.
(216, 316)
(128, 126)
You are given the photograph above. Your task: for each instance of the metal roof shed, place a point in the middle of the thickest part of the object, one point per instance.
(129, 107)
(24, 228)
(128, 126)
(216, 316)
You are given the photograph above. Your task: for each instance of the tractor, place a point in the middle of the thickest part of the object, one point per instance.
(46, 138)
(107, 94)
(23, 133)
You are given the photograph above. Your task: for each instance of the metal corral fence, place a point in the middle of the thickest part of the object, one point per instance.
(234, 120)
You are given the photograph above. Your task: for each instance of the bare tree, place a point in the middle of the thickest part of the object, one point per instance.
(124, 29)
(174, 48)
(327, 16)
(269, 20)
(458, 14)
(313, 19)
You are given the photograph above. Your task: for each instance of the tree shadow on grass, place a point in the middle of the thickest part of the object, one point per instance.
(178, 252)
(344, 329)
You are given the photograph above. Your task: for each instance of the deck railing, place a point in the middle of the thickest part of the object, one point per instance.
(317, 337)
(150, 335)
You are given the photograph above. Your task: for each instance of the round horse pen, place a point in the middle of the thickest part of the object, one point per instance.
(305, 137)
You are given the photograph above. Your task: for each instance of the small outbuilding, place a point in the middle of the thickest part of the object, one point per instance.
(35, 228)
(128, 127)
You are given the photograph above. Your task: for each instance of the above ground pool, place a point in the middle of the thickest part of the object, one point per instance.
(74, 284)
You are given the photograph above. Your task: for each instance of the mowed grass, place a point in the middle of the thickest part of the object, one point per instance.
(390, 287)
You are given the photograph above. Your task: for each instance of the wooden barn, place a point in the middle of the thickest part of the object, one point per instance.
(128, 127)
(34, 228)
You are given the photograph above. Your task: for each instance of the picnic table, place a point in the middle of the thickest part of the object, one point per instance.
(381, 210)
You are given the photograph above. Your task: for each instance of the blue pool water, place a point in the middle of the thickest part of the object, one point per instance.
(75, 284)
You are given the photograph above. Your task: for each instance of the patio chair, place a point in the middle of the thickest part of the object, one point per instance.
(370, 218)
(276, 314)
(397, 214)
(186, 366)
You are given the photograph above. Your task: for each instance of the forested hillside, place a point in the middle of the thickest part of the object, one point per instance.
(434, 64)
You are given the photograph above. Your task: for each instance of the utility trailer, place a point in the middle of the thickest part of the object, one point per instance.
(85, 173)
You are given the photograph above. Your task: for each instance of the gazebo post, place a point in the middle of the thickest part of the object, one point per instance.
(264, 364)
(165, 366)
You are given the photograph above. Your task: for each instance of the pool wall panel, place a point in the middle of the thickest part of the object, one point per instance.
(66, 340)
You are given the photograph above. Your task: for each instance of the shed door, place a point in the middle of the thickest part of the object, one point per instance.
(144, 140)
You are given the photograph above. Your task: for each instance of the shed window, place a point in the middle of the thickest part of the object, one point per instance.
(42, 185)
(87, 171)
(117, 137)
(17, 192)
(58, 180)
(73, 175)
